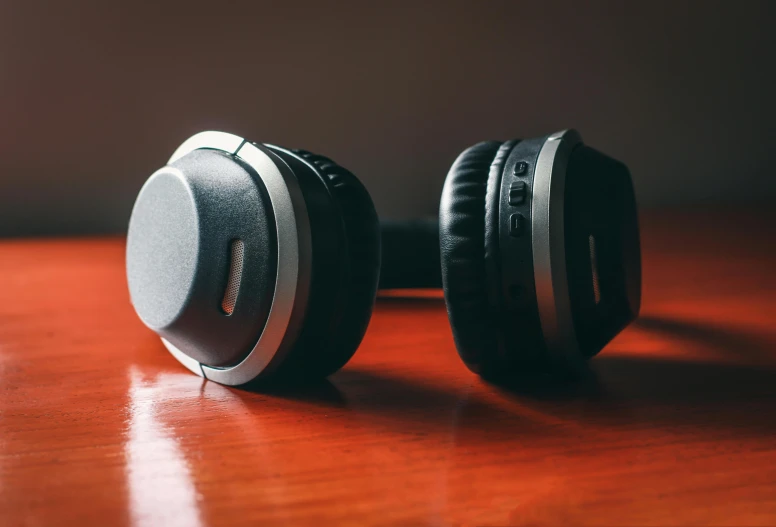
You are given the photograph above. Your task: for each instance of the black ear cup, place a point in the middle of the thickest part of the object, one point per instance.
(529, 232)
(252, 260)
(346, 265)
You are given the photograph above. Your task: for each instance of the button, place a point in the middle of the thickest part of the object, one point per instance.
(516, 224)
(517, 193)
(520, 168)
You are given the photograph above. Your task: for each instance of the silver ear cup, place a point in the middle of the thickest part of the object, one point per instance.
(211, 294)
(549, 253)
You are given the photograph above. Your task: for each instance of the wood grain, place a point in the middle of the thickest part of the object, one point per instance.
(675, 424)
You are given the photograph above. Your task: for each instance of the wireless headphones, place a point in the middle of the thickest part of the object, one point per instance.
(251, 260)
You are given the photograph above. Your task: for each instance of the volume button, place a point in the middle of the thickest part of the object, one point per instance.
(517, 193)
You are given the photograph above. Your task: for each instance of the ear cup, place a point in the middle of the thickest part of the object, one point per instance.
(193, 230)
(342, 305)
(468, 237)
(530, 231)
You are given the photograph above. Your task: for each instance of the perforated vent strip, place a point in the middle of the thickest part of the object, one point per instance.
(236, 252)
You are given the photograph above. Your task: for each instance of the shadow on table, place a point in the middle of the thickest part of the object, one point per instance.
(318, 391)
(733, 386)
(617, 391)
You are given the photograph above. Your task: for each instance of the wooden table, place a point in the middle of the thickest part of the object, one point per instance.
(675, 425)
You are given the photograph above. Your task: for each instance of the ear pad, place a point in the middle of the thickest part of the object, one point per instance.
(346, 265)
(468, 234)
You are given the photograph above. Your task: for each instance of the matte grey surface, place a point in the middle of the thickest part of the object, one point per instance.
(198, 206)
(293, 254)
(162, 248)
(95, 95)
(294, 268)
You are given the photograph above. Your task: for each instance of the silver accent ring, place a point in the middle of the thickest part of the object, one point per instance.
(293, 266)
(548, 245)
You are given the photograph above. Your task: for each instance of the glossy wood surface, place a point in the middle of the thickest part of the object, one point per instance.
(675, 425)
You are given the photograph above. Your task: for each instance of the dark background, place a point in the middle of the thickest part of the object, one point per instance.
(95, 96)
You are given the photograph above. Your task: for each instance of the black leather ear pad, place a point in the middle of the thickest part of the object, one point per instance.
(468, 238)
(344, 295)
(362, 237)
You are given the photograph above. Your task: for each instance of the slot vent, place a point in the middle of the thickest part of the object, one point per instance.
(236, 253)
(594, 268)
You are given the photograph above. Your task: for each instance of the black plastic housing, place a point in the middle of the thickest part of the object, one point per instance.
(603, 257)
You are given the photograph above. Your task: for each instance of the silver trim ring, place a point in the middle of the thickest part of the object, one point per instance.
(293, 267)
(548, 244)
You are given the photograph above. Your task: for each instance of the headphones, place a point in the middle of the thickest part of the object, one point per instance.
(252, 261)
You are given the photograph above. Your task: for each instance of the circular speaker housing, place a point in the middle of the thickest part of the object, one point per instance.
(219, 257)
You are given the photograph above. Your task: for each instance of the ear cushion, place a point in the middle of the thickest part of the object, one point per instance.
(362, 257)
(468, 237)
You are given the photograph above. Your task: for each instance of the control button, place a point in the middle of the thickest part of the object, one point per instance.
(521, 168)
(517, 193)
(516, 224)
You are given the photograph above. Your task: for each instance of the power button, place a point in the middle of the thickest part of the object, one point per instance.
(516, 224)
